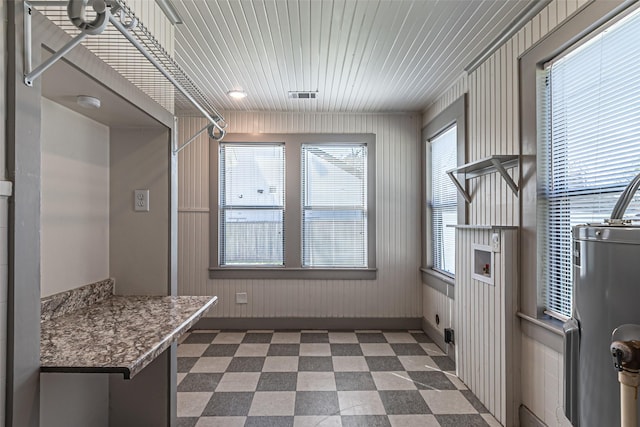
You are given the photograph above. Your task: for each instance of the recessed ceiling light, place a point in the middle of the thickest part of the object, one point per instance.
(237, 94)
(88, 101)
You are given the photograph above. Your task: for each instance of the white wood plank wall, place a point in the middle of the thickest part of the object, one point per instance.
(397, 292)
(493, 128)
(487, 332)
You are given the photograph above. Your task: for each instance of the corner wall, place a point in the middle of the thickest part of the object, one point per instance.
(494, 128)
(396, 293)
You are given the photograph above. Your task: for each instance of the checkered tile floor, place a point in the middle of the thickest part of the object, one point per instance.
(320, 378)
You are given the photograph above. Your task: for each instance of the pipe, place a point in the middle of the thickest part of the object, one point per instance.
(627, 362)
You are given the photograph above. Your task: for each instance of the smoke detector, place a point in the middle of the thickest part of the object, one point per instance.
(295, 94)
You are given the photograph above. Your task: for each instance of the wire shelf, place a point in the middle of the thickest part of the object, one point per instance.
(117, 52)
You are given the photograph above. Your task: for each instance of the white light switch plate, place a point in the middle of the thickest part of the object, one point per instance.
(241, 298)
(495, 242)
(141, 200)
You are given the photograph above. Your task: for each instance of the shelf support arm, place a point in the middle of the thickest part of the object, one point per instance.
(459, 186)
(505, 175)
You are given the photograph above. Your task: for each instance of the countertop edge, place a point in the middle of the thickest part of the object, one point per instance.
(154, 352)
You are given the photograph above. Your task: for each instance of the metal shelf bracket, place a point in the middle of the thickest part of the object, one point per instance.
(485, 166)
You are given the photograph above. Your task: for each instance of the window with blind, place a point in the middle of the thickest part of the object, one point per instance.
(589, 146)
(334, 205)
(293, 206)
(251, 204)
(443, 200)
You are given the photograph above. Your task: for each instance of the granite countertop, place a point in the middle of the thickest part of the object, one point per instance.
(119, 334)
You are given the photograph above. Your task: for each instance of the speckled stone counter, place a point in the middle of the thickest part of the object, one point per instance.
(118, 334)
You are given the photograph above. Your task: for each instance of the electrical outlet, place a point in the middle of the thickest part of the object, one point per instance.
(141, 200)
(241, 298)
(495, 242)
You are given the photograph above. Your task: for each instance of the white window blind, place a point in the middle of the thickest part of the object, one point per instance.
(443, 201)
(589, 149)
(334, 205)
(251, 204)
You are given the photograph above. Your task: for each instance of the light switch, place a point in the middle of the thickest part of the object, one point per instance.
(141, 200)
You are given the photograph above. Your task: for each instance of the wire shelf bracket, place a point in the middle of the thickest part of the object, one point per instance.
(106, 13)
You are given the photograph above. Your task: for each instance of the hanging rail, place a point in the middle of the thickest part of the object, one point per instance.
(105, 13)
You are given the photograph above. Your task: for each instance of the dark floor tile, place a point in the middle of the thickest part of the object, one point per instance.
(444, 362)
(199, 382)
(199, 338)
(314, 337)
(278, 381)
(269, 422)
(384, 363)
(186, 363)
(365, 421)
(257, 338)
(352, 381)
(186, 421)
(246, 364)
(228, 404)
(317, 403)
(431, 380)
(284, 350)
(315, 363)
(346, 350)
(403, 402)
(369, 337)
(477, 405)
(421, 337)
(467, 420)
(221, 350)
(408, 349)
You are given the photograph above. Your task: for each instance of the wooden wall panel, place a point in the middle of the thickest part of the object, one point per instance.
(397, 291)
(493, 128)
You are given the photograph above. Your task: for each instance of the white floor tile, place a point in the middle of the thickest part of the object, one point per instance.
(413, 421)
(191, 404)
(273, 403)
(211, 364)
(393, 381)
(315, 350)
(447, 402)
(238, 381)
(349, 364)
(221, 422)
(280, 364)
(360, 403)
(317, 421)
(316, 381)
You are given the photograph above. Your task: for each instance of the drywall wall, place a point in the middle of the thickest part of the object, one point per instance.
(74, 245)
(494, 128)
(397, 291)
(139, 241)
(75, 200)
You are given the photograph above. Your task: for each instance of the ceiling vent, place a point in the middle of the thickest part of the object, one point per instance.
(303, 94)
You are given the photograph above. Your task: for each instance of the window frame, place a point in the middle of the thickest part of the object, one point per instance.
(586, 22)
(293, 268)
(454, 114)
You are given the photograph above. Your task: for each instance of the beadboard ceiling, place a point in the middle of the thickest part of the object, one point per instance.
(360, 55)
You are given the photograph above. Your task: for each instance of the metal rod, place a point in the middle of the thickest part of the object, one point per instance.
(193, 138)
(27, 38)
(160, 68)
(29, 78)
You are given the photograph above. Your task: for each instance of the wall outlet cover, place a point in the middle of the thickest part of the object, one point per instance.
(141, 200)
(241, 298)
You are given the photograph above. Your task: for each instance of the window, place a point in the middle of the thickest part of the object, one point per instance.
(334, 211)
(443, 201)
(443, 141)
(293, 206)
(251, 204)
(588, 146)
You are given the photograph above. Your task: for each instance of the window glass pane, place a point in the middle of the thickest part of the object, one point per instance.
(589, 149)
(251, 204)
(334, 211)
(444, 200)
